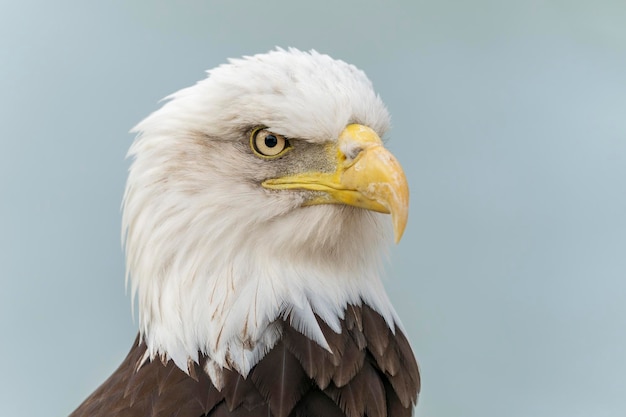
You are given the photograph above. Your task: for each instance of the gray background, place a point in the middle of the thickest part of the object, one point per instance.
(509, 118)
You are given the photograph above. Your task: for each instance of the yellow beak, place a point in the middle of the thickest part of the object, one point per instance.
(367, 176)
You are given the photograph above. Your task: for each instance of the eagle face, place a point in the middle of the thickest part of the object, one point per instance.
(258, 195)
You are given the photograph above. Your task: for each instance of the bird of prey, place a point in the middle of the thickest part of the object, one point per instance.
(255, 221)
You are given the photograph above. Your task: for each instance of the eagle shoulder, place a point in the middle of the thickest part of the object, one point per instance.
(369, 370)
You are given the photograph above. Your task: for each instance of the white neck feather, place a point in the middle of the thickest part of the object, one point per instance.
(211, 273)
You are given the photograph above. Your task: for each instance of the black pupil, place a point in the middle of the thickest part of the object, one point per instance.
(271, 141)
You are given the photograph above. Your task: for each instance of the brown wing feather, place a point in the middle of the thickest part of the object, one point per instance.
(316, 404)
(370, 372)
(315, 360)
(350, 364)
(281, 380)
(395, 408)
(375, 330)
(375, 396)
(239, 391)
(408, 361)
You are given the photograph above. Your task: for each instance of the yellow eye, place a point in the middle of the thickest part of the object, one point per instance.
(267, 144)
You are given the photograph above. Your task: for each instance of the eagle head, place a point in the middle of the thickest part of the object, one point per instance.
(255, 195)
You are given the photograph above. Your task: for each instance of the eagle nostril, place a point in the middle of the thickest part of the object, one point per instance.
(352, 152)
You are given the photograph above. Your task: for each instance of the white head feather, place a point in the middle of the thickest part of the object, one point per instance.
(214, 258)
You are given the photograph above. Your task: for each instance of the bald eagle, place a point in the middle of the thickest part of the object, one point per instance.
(254, 223)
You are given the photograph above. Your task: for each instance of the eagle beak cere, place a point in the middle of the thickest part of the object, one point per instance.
(367, 176)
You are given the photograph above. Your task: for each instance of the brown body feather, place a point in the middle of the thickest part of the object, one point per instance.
(371, 372)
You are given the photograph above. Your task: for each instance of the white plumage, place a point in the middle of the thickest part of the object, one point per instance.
(212, 257)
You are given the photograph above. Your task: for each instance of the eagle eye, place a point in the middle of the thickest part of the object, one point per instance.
(267, 144)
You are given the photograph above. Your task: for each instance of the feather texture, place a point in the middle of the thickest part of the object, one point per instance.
(251, 301)
(352, 382)
(212, 257)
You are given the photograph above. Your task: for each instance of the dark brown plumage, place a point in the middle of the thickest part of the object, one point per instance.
(371, 372)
